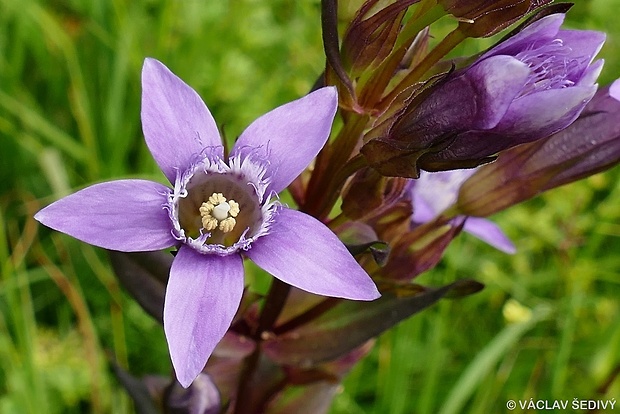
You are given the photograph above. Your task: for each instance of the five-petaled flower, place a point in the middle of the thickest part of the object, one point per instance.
(219, 210)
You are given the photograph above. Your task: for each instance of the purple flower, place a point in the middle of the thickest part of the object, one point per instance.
(433, 193)
(526, 88)
(219, 210)
(589, 145)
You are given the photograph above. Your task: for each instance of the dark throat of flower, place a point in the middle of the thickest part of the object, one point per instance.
(219, 204)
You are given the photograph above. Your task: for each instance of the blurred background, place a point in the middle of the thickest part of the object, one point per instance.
(547, 325)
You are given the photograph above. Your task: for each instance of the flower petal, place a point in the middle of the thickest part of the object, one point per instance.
(422, 211)
(614, 90)
(498, 80)
(290, 136)
(202, 297)
(177, 125)
(590, 75)
(583, 44)
(303, 252)
(202, 397)
(476, 98)
(545, 28)
(490, 233)
(123, 215)
(542, 113)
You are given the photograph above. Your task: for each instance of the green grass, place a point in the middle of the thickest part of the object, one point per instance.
(547, 326)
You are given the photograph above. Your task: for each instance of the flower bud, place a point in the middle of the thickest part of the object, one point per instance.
(590, 145)
(370, 37)
(526, 88)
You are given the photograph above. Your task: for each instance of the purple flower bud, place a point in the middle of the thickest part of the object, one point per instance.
(526, 88)
(590, 145)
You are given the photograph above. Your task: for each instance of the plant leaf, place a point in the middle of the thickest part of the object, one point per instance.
(144, 275)
(350, 324)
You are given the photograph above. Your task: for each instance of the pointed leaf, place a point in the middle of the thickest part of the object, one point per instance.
(137, 390)
(347, 326)
(144, 275)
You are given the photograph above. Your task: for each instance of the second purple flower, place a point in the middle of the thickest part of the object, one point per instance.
(528, 87)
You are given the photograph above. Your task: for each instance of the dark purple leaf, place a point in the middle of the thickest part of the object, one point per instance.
(144, 275)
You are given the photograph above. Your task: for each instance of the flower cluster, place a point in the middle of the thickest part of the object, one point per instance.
(426, 147)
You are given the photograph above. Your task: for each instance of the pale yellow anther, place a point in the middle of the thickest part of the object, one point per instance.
(234, 208)
(218, 212)
(228, 224)
(205, 209)
(217, 198)
(209, 223)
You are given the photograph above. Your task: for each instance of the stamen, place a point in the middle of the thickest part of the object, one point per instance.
(219, 212)
(228, 224)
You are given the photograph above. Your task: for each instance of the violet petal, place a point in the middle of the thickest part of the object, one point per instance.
(290, 136)
(490, 233)
(545, 28)
(590, 75)
(475, 99)
(123, 215)
(583, 44)
(542, 113)
(202, 297)
(177, 125)
(202, 397)
(303, 252)
(422, 211)
(500, 80)
(614, 90)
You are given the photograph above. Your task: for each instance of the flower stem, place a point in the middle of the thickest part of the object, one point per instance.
(243, 399)
(246, 400)
(276, 298)
(335, 185)
(334, 164)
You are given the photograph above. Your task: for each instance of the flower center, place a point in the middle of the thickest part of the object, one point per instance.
(218, 212)
(221, 207)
